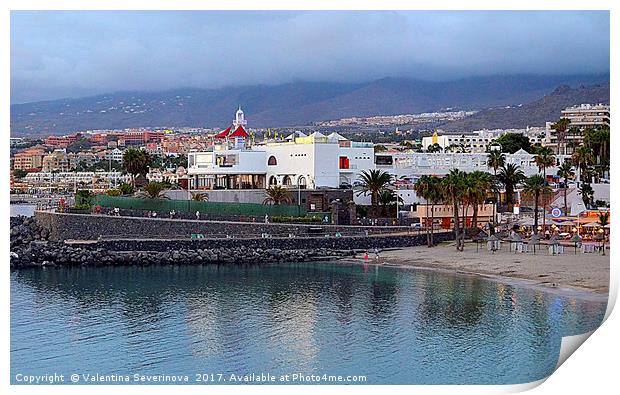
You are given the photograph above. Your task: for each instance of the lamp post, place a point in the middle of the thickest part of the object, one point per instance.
(601, 237)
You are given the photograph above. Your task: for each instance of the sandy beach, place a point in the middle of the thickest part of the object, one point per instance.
(582, 271)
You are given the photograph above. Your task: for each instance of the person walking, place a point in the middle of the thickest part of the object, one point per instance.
(198, 215)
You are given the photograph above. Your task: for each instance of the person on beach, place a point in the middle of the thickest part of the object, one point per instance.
(198, 215)
(366, 256)
(376, 254)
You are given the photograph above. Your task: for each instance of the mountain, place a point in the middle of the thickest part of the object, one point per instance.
(535, 113)
(296, 103)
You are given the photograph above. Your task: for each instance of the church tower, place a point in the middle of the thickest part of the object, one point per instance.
(239, 119)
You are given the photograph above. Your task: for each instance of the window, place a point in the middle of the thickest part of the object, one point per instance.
(287, 180)
(272, 180)
(272, 161)
(301, 182)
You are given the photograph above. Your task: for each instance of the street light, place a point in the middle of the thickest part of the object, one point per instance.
(601, 237)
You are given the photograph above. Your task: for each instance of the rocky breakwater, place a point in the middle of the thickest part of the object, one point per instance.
(30, 247)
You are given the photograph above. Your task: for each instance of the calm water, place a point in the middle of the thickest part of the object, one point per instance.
(393, 325)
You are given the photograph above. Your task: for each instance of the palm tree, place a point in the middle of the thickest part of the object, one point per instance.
(200, 196)
(423, 188)
(587, 193)
(434, 148)
(582, 158)
(481, 182)
(544, 158)
(373, 182)
(560, 127)
(277, 195)
(387, 198)
(495, 160)
(154, 190)
(566, 171)
(453, 185)
(510, 175)
(535, 186)
(603, 220)
(135, 162)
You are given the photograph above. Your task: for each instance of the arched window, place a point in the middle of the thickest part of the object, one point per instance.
(287, 180)
(273, 180)
(301, 181)
(272, 161)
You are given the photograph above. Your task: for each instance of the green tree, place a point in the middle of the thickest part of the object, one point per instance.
(373, 182)
(154, 190)
(566, 172)
(434, 148)
(277, 195)
(19, 173)
(422, 188)
(481, 183)
(582, 158)
(587, 193)
(495, 160)
(535, 186)
(560, 128)
(126, 189)
(510, 175)
(453, 186)
(387, 199)
(200, 196)
(544, 159)
(512, 142)
(136, 162)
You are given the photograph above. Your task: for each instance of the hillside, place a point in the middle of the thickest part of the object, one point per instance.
(535, 113)
(297, 103)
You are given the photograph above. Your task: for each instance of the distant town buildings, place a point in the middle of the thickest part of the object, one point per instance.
(56, 161)
(478, 141)
(28, 159)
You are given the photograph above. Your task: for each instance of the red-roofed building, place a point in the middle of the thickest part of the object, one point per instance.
(240, 132)
(223, 134)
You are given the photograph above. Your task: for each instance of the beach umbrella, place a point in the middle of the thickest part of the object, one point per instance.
(493, 243)
(591, 225)
(608, 226)
(480, 237)
(515, 239)
(534, 241)
(576, 239)
(554, 242)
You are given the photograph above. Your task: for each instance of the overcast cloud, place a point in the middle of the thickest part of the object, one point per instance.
(58, 54)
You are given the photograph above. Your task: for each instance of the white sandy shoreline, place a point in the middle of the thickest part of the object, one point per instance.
(584, 273)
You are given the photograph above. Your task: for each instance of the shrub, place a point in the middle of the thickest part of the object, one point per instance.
(125, 188)
(113, 192)
(82, 206)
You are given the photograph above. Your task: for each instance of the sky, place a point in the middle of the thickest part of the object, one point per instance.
(57, 54)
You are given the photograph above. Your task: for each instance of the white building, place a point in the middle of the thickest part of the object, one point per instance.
(319, 161)
(76, 178)
(478, 141)
(309, 162)
(115, 155)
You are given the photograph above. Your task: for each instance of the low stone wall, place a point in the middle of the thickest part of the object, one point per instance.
(32, 245)
(63, 226)
(295, 243)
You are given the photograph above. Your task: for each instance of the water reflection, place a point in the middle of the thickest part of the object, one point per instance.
(394, 325)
